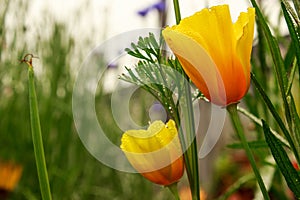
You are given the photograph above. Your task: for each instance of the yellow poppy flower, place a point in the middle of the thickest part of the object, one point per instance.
(155, 153)
(214, 52)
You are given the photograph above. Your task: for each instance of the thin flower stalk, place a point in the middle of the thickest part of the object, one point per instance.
(37, 133)
(232, 109)
(191, 158)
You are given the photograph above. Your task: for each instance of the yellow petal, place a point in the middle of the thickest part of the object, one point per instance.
(214, 52)
(152, 149)
(244, 30)
(157, 136)
(197, 63)
(213, 30)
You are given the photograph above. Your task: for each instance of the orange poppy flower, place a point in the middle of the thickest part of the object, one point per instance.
(155, 153)
(214, 52)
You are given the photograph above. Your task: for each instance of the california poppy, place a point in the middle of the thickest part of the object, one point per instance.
(214, 52)
(155, 153)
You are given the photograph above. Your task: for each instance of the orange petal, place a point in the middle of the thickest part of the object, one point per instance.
(214, 52)
(197, 63)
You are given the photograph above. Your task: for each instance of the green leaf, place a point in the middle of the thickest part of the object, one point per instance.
(295, 126)
(279, 67)
(37, 138)
(283, 162)
(289, 56)
(153, 41)
(292, 26)
(291, 79)
(275, 115)
(157, 79)
(146, 48)
(297, 6)
(258, 121)
(274, 48)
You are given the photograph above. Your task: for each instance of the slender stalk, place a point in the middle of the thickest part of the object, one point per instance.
(192, 151)
(37, 138)
(259, 122)
(190, 165)
(177, 11)
(297, 7)
(191, 155)
(174, 190)
(232, 109)
(187, 155)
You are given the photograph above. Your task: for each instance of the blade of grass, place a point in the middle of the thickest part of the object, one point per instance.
(279, 67)
(258, 121)
(288, 171)
(293, 31)
(291, 78)
(297, 7)
(293, 27)
(274, 48)
(37, 137)
(289, 56)
(275, 115)
(295, 126)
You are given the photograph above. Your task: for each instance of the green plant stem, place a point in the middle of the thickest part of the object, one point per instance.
(232, 109)
(188, 142)
(177, 11)
(37, 138)
(192, 151)
(297, 7)
(259, 122)
(191, 154)
(174, 190)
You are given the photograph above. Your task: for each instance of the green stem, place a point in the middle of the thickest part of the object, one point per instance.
(192, 151)
(174, 190)
(177, 11)
(191, 154)
(37, 138)
(297, 7)
(232, 109)
(186, 154)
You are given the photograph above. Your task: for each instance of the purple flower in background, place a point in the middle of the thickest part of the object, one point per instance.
(160, 6)
(143, 12)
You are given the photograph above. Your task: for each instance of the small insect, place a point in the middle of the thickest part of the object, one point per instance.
(28, 59)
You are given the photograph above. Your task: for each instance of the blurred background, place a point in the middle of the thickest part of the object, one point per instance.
(61, 34)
